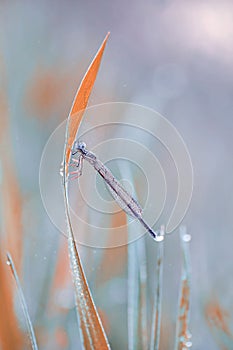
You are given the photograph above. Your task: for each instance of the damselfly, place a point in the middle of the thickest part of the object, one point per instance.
(122, 197)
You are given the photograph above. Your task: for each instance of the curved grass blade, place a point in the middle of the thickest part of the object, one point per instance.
(91, 329)
(23, 303)
(156, 316)
(183, 334)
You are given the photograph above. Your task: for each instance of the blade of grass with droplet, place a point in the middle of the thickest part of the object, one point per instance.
(91, 329)
(157, 308)
(137, 283)
(141, 254)
(10, 335)
(23, 303)
(183, 335)
(137, 294)
(133, 280)
(133, 296)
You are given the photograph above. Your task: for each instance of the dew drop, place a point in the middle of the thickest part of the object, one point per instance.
(61, 170)
(8, 262)
(187, 238)
(188, 344)
(160, 234)
(185, 340)
(159, 238)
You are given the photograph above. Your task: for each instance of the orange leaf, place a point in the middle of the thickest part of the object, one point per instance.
(81, 100)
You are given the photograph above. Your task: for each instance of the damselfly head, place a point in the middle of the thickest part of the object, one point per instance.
(79, 146)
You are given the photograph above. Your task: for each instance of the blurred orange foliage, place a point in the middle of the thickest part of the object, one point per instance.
(11, 230)
(12, 199)
(61, 338)
(45, 91)
(114, 259)
(12, 211)
(216, 316)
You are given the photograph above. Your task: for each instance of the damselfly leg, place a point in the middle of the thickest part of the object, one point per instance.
(78, 164)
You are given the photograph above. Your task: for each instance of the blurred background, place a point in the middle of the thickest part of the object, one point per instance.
(172, 56)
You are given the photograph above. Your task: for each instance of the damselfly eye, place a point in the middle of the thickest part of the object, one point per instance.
(82, 145)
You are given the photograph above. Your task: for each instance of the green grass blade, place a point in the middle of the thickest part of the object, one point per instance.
(23, 303)
(137, 283)
(137, 295)
(141, 252)
(133, 297)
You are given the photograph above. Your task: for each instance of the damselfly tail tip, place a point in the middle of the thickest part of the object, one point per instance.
(159, 235)
(159, 238)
